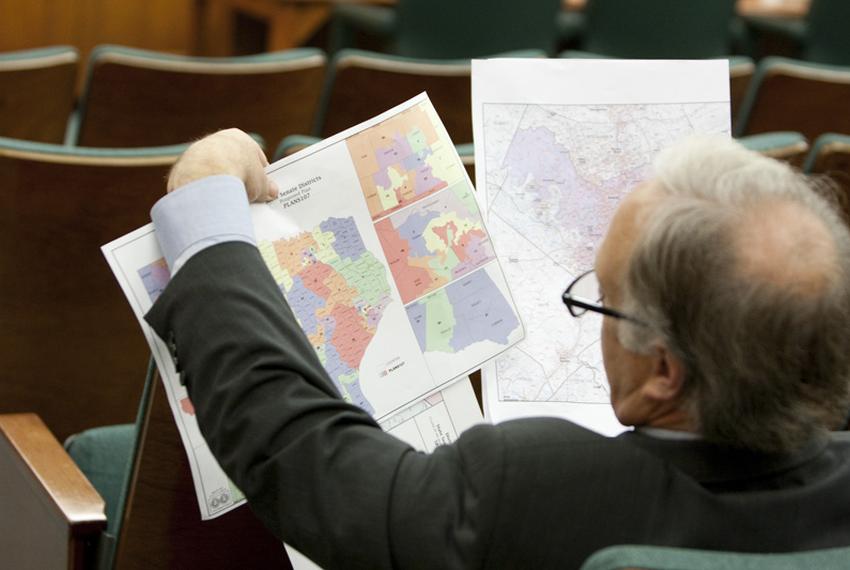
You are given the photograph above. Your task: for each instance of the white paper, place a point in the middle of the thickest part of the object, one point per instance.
(405, 340)
(558, 143)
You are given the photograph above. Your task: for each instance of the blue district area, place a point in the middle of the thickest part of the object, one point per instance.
(412, 229)
(481, 311)
(348, 243)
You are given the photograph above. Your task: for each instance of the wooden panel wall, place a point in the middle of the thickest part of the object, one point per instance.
(165, 25)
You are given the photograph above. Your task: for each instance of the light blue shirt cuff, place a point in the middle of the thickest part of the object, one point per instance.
(199, 215)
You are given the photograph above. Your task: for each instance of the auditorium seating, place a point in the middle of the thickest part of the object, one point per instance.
(154, 521)
(446, 29)
(652, 29)
(363, 84)
(830, 155)
(37, 93)
(821, 37)
(787, 146)
(70, 348)
(791, 95)
(142, 98)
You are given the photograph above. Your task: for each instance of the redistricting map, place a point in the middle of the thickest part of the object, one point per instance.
(555, 175)
(469, 310)
(403, 159)
(435, 241)
(155, 277)
(338, 291)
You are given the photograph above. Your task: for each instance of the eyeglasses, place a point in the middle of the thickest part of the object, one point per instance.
(582, 295)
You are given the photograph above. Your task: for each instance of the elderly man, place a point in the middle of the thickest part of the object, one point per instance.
(725, 283)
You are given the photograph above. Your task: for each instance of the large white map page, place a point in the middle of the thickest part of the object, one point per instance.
(558, 144)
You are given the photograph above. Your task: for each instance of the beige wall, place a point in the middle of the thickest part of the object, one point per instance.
(166, 25)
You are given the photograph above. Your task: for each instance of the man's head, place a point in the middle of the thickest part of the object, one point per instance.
(742, 274)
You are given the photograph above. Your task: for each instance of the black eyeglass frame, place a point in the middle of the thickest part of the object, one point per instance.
(573, 302)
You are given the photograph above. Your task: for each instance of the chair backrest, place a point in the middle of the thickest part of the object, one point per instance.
(293, 144)
(658, 28)
(789, 95)
(827, 39)
(473, 28)
(741, 70)
(362, 84)
(70, 348)
(142, 98)
(787, 146)
(162, 527)
(666, 558)
(830, 155)
(37, 93)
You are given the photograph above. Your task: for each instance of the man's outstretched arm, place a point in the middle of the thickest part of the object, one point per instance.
(318, 471)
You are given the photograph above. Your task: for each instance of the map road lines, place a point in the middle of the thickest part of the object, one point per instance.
(555, 174)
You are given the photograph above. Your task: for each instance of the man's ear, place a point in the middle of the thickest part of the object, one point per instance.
(667, 380)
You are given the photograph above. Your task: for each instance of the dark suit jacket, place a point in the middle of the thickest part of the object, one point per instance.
(525, 494)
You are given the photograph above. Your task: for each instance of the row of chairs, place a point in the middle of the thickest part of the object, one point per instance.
(645, 29)
(137, 98)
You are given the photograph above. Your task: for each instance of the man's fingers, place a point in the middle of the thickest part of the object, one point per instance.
(273, 190)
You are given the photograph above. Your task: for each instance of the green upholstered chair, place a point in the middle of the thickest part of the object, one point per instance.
(448, 29)
(121, 498)
(135, 98)
(292, 144)
(362, 84)
(791, 95)
(666, 558)
(652, 28)
(821, 37)
(37, 93)
(70, 348)
(787, 146)
(830, 155)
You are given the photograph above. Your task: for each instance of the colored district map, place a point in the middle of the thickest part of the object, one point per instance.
(469, 310)
(555, 174)
(338, 291)
(155, 277)
(403, 159)
(435, 241)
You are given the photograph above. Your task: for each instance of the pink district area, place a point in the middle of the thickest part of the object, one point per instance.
(412, 280)
(350, 337)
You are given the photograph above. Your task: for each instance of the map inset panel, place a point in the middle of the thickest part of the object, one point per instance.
(470, 310)
(435, 241)
(402, 160)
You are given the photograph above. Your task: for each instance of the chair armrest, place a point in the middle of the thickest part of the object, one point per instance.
(51, 515)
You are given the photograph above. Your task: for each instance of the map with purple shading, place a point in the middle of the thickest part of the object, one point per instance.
(554, 177)
(402, 160)
(470, 310)
(435, 241)
(338, 291)
(155, 277)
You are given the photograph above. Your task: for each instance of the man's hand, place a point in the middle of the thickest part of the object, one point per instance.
(226, 152)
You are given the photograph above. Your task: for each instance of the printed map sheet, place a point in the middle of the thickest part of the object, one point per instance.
(558, 143)
(379, 247)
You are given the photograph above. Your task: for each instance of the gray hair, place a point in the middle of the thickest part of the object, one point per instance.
(743, 272)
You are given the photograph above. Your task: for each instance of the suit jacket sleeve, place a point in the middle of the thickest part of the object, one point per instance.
(319, 472)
